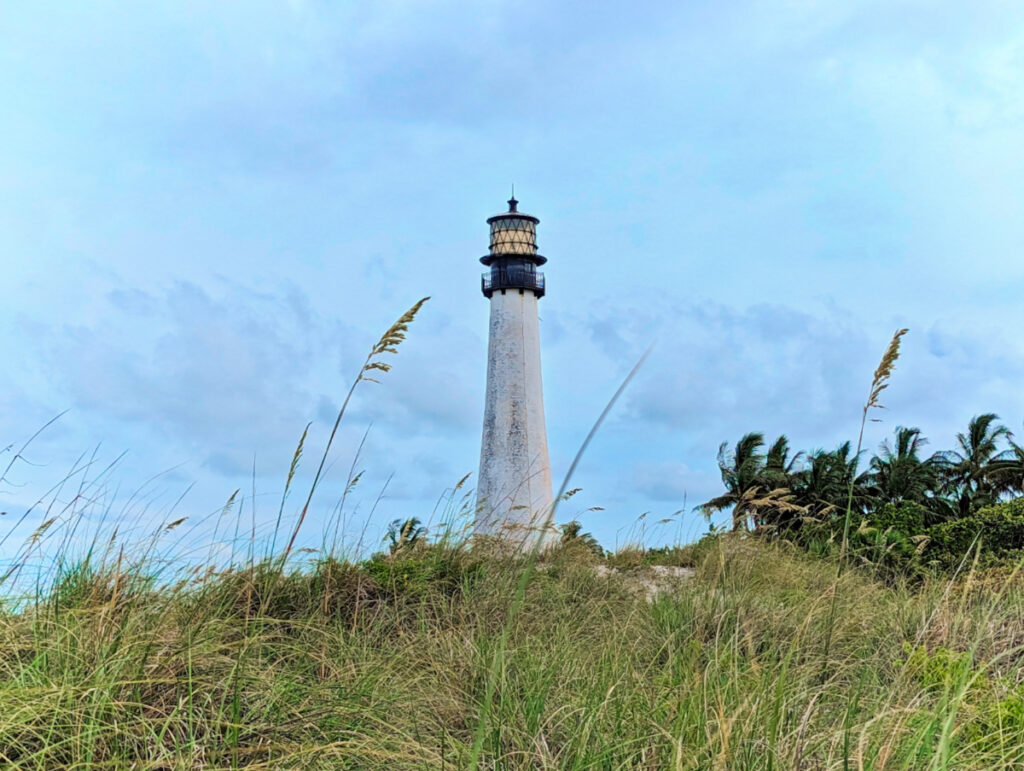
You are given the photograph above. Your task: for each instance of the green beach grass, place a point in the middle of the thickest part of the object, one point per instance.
(385, 664)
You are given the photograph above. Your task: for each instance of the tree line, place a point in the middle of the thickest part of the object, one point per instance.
(769, 488)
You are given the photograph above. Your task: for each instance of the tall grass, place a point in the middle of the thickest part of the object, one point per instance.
(879, 382)
(386, 664)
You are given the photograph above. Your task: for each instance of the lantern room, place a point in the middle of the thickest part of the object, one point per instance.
(513, 257)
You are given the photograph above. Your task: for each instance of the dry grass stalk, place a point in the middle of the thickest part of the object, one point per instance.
(880, 381)
(387, 344)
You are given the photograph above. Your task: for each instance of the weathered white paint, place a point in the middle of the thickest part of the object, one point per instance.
(514, 485)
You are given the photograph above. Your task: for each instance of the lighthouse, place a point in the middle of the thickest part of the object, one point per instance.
(514, 499)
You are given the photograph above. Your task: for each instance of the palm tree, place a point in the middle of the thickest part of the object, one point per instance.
(823, 486)
(779, 467)
(898, 473)
(571, 534)
(741, 475)
(1008, 471)
(971, 472)
(780, 471)
(405, 534)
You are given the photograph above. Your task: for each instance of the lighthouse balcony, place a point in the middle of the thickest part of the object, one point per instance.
(512, 278)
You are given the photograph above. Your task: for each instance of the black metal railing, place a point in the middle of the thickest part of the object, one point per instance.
(512, 278)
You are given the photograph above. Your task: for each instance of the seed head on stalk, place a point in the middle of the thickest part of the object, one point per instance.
(388, 344)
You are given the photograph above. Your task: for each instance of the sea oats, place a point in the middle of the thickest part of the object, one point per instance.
(570, 493)
(353, 482)
(39, 531)
(388, 343)
(296, 457)
(881, 379)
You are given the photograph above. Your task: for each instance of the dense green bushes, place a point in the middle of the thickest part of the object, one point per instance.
(997, 530)
(896, 540)
(418, 571)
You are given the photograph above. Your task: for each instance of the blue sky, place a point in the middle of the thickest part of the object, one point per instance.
(210, 211)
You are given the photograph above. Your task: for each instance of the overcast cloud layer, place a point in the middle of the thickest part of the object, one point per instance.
(209, 212)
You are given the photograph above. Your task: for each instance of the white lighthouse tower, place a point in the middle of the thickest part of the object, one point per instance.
(514, 500)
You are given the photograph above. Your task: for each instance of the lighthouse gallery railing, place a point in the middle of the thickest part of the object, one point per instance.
(512, 278)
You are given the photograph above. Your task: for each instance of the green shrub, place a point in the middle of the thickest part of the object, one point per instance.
(415, 572)
(942, 668)
(998, 529)
(888, 541)
(906, 517)
(891, 540)
(895, 540)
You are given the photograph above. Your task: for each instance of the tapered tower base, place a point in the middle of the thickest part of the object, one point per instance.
(514, 490)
